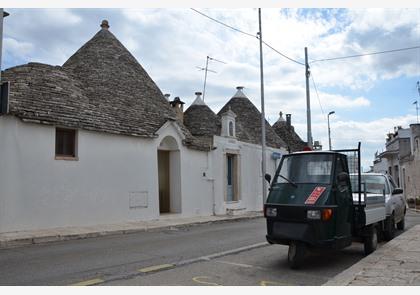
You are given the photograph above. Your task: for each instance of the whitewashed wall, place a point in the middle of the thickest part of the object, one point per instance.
(115, 178)
(195, 189)
(113, 181)
(250, 175)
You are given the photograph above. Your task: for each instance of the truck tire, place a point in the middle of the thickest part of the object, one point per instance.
(389, 232)
(401, 224)
(371, 241)
(296, 254)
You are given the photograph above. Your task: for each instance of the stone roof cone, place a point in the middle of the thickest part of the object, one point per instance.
(248, 121)
(101, 88)
(200, 119)
(113, 78)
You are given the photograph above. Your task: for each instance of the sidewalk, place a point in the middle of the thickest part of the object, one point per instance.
(21, 238)
(397, 263)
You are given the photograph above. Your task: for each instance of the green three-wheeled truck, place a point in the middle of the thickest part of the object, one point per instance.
(311, 204)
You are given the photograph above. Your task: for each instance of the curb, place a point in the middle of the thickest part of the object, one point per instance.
(32, 240)
(361, 272)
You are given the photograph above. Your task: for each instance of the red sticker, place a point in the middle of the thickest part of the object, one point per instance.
(314, 196)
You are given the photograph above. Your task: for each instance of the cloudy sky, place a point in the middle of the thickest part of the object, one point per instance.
(369, 94)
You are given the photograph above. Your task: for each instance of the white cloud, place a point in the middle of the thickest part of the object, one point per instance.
(17, 48)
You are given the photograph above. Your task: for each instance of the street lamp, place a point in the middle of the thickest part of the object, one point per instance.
(329, 130)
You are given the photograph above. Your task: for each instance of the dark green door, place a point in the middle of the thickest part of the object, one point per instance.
(344, 201)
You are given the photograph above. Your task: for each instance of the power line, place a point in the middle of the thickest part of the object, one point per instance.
(285, 56)
(223, 24)
(248, 34)
(365, 54)
(316, 90)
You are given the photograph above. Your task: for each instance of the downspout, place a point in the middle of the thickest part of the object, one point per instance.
(210, 167)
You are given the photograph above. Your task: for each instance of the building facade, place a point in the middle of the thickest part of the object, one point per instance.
(96, 142)
(401, 159)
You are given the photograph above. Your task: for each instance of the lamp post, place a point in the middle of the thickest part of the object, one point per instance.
(329, 130)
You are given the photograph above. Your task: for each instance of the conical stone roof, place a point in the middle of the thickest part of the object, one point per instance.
(114, 80)
(287, 133)
(201, 121)
(248, 121)
(101, 87)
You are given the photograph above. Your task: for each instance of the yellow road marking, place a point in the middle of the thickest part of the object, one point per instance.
(89, 282)
(155, 268)
(198, 280)
(271, 283)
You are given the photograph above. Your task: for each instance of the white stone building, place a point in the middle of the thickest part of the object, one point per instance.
(401, 159)
(95, 142)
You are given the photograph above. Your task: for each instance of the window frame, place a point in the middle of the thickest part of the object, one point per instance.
(61, 156)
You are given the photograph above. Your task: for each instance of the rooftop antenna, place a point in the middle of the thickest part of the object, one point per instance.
(206, 69)
(416, 102)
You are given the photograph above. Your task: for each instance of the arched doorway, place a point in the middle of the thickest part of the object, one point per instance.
(169, 173)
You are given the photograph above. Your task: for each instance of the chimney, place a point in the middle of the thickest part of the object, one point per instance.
(178, 106)
(166, 95)
(105, 25)
(198, 101)
(288, 120)
(239, 92)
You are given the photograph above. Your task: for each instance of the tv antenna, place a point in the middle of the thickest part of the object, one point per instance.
(206, 69)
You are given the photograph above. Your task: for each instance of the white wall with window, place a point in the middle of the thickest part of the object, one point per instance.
(238, 175)
(104, 178)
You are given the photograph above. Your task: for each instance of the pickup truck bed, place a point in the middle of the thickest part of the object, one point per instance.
(374, 206)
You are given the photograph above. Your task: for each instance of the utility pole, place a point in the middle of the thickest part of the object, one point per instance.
(308, 99)
(329, 130)
(263, 164)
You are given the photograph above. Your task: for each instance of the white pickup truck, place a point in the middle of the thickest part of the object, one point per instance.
(375, 185)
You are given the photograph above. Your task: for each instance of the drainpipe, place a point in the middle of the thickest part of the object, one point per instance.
(213, 196)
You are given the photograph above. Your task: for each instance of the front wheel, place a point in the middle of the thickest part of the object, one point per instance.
(371, 241)
(296, 255)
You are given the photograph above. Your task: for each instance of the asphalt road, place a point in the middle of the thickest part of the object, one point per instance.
(258, 267)
(173, 257)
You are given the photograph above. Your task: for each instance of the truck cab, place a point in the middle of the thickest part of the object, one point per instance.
(310, 204)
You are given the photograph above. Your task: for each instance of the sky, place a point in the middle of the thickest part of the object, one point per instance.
(370, 94)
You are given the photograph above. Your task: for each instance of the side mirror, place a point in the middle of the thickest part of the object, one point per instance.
(267, 177)
(397, 191)
(343, 177)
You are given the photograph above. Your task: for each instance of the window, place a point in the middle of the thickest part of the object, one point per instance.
(375, 184)
(306, 168)
(65, 143)
(231, 133)
(232, 178)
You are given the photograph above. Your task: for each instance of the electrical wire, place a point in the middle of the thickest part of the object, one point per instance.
(285, 56)
(316, 90)
(223, 24)
(365, 54)
(248, 34)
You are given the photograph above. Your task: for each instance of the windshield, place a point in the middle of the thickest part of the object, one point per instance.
(306, 168)
(375, 184)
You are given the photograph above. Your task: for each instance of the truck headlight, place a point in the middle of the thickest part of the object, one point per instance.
(313, 214)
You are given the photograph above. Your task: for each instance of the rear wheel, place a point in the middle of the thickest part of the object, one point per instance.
(389, 232)
(296, 254)
(371, 241)
(401, 224)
